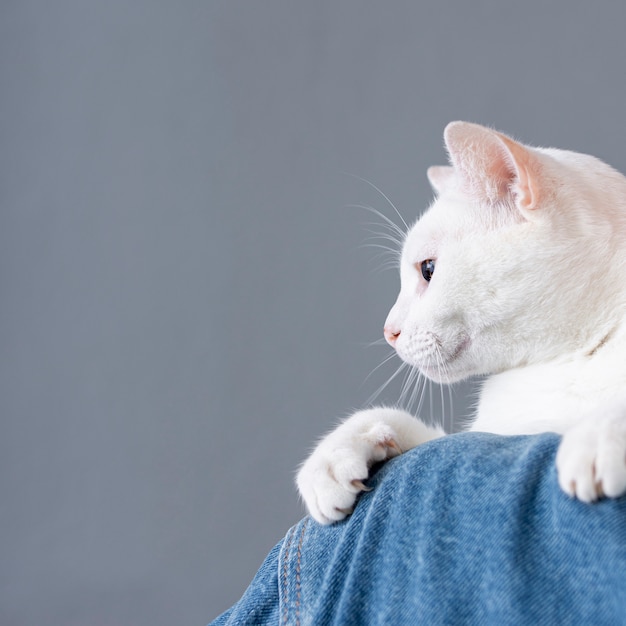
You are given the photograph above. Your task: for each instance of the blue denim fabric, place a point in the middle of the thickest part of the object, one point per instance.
(468, 529)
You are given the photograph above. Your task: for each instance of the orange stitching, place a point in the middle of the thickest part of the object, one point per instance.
(298, 573)
(285, 560)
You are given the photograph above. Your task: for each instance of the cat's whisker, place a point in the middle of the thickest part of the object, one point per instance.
(438, 363)
(451, 412)
(386, 266)
(408, 384)
(386, 255)
(387, 259)
(430, 398)
(377, 393)
(391, 204)
(449, 386)
(418, 390)
(412, 388)
(443, 375)
(381, 246)
(445, 381)
(376, 235)
(384, 237)
(385, 360)
(381, 239)
(387, 249)
(378, 342)
(388, 222)
(390, 231)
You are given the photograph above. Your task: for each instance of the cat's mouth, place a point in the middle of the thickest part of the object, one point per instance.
(435, 361)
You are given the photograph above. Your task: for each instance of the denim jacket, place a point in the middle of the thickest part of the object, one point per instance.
(469, 529)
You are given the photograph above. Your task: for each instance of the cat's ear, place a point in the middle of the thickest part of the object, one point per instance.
(441, 177)
(491, 165)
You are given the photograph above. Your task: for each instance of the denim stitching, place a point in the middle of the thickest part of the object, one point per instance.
(285, 587)
(298, 589)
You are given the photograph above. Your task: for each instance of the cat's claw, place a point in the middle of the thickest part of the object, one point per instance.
(333, 476)
(591, 460)
(393, 449)
(360, 485)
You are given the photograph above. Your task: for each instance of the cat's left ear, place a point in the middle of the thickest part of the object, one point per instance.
(491, 165)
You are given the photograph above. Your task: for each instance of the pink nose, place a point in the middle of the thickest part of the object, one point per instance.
(391, 335)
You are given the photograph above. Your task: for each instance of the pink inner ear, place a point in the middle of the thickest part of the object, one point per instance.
(526, 188)
(490, 164)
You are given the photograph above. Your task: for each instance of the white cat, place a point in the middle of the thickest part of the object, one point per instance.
(517, 270)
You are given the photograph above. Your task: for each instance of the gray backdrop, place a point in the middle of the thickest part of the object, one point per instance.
(186, 305)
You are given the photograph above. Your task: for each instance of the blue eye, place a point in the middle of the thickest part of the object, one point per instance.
(428, 269)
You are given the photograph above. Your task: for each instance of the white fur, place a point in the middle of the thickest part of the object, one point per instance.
(530, 288)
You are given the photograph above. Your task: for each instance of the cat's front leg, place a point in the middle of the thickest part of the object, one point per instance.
(330, 480)
(591, 460)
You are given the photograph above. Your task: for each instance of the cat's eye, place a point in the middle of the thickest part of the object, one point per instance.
(428, 269)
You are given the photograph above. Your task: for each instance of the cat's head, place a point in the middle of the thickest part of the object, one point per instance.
(518, 260)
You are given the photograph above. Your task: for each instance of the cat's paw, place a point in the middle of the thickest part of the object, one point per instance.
(591, 460)
(330, 480)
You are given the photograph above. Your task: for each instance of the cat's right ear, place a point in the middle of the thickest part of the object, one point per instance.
(441, 177)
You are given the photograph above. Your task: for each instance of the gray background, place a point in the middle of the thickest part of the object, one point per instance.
(186, 304)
